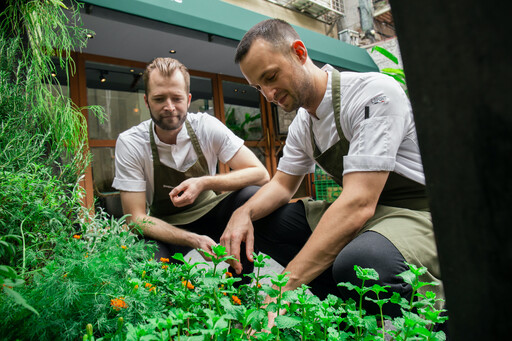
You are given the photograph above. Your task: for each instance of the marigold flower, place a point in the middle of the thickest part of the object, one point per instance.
(87, 255)
(124, 247)
(148, 285)
(259, 285)
(118, 303)
(228, 274)
(165, 267)
(143, 273)
(164, 260)
(77, 236)
(152, 289)
(136, 286)
(188, 285)
(236, 300)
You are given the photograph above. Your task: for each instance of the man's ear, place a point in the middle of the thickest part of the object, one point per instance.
(146, 100)
(299, 49)
(189, 100)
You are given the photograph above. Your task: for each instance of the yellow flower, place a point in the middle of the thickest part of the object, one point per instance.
(143, 273)
(118, 303)
(165, 267)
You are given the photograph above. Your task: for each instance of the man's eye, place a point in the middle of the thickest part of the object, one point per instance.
(271, 77)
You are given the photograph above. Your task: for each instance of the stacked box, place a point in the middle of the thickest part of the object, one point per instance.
(325, 188)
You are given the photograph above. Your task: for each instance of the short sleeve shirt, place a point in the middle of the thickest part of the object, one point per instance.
(385, 141)
(134, 159)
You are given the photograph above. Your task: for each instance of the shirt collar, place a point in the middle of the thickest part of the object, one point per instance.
(325, 106)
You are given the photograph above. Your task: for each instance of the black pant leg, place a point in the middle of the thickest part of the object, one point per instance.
(282, 234)
(372, 250)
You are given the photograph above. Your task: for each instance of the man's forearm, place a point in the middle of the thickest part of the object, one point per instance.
(236, 179)
(337, 228)
(158, 229)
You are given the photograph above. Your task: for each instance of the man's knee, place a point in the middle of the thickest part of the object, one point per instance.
(244, 194)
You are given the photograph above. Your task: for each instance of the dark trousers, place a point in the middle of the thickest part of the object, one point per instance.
(283, 233)
(212, 224)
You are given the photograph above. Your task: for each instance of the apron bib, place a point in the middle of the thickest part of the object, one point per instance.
(402, 214)
(166, 178)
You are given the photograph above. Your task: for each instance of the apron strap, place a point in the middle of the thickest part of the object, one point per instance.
(197, 147)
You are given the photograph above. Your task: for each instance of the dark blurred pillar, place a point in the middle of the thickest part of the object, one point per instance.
(457, 61)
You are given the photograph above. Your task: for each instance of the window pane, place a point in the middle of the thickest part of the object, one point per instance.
(103, 168)
(242, 110)
(284, 119)
(202, 95)
(121, 93)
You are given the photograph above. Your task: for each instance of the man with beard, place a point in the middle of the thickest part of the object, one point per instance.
(168, 164)
(359, 128)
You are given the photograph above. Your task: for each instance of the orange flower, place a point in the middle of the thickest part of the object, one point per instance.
(236, 300)
(148, 285)
(124, 247)
(164, 260)
(228, 274)
(136, 286)
(188, 285)
(259, 285)
(77, 236)
(118, 303)
(87, 255)
(152, 289)
(165, 267)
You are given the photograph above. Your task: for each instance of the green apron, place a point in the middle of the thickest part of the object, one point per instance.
(166, 178)
(402, 214)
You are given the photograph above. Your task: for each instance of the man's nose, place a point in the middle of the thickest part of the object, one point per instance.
(169, 105)
(268, 92)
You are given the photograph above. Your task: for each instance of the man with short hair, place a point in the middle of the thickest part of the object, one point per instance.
(360, 129)
(169, 162)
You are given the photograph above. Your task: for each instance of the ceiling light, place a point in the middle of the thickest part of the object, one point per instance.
(102, 76)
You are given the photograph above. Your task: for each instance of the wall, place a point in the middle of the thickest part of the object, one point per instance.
(294, 18)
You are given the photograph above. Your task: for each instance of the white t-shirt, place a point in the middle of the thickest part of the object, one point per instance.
(386, 141)
(134, 159)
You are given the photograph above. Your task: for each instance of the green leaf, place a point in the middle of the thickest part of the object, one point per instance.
(386, 54)
(366, 273)
(19, 299)
(284, 322)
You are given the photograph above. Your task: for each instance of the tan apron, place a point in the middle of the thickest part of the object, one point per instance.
(166, 178)
(402, 214)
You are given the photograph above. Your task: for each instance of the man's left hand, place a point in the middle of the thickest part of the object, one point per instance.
(186, 193)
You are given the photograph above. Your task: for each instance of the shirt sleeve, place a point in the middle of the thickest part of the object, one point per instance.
(129, 169)
(375, 139)
(295, 160)
(221, 141)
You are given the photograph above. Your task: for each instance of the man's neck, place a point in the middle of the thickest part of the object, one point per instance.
(320, 78)
(167, 136)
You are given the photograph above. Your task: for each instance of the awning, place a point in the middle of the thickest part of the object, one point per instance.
(225, 20)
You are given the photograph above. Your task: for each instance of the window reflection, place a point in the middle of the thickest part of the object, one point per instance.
(242, 110)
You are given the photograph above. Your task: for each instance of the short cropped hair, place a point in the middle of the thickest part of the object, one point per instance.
(166, 66)
(275, 31)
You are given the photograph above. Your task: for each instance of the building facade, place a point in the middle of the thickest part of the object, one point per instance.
(203, 34)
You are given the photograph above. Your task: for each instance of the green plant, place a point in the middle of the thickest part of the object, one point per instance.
(396, 73)
(239, 128)
(42, 136)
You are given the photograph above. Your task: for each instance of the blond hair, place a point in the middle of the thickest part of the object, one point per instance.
(166, 66)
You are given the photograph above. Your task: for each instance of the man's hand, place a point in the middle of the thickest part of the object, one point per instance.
(187, 192)
(204, 243)
(238, 230)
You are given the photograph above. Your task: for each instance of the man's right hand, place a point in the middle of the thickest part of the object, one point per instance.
(204, 243)
(239, 229)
